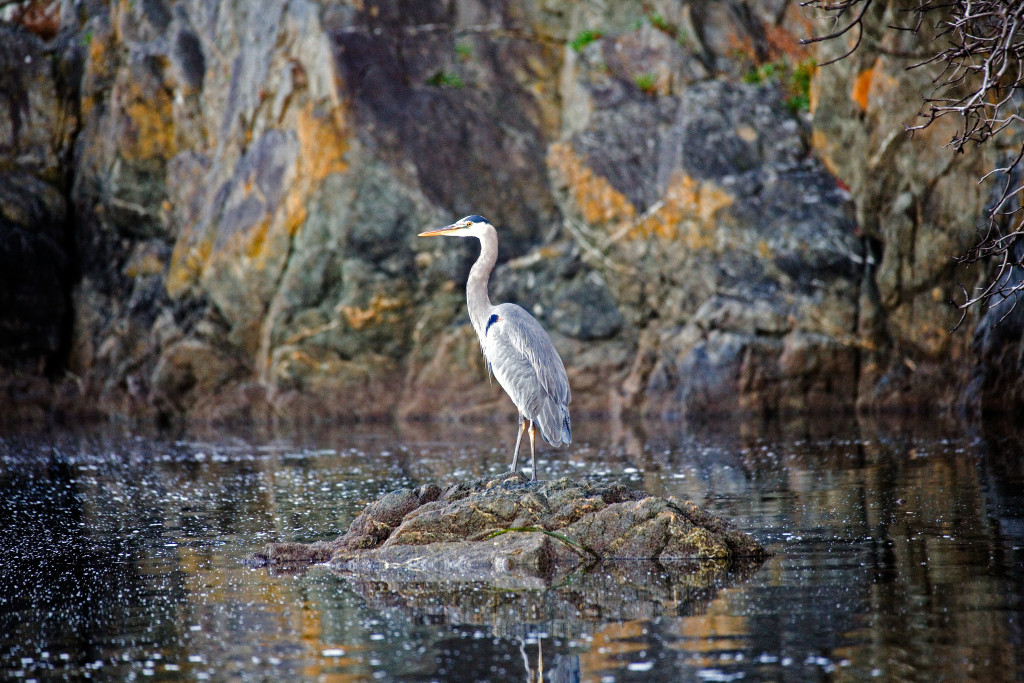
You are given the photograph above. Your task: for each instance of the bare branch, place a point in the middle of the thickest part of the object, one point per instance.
(839, 8)
(980, 45)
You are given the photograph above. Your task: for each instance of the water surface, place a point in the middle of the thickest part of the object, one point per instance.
(898, 555)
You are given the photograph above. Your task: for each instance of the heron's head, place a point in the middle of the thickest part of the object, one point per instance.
(470, 226)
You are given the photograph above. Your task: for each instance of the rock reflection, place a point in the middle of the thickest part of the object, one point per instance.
(898, 554)
(568, 608)
(568, 630)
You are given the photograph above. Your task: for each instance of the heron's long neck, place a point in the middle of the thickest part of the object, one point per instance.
(476, 287)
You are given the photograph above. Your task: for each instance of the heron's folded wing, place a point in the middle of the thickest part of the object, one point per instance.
(526, 336)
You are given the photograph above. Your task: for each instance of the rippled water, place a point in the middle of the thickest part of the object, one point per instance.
(898, 554)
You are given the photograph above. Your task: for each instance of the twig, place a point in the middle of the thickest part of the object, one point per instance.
(980, 46)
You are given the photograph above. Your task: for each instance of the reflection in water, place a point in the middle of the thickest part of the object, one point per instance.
(899, 553)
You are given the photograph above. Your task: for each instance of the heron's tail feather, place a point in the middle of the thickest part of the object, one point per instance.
(566, 426)
(555, 426)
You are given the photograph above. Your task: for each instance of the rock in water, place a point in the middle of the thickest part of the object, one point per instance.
(504, 525)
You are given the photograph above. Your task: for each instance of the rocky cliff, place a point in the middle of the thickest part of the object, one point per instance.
(208, 210)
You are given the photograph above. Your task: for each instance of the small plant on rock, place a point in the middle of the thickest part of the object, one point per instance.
(584, 38)
(445, 79)
(793, 78)
(647, 82)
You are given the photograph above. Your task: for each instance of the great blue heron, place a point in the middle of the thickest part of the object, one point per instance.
(518, 350)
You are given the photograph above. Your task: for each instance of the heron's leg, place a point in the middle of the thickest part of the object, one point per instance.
(533, 455)
(519, 437)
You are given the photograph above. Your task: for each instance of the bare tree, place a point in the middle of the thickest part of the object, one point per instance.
(980, 47)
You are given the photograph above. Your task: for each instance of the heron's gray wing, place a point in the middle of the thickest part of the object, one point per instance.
(526, 338)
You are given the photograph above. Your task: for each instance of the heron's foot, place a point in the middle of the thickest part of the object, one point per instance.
(533, 476)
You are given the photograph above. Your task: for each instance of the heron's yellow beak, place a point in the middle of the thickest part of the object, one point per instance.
(440, 231)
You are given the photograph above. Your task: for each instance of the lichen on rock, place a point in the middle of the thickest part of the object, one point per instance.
(505, 525)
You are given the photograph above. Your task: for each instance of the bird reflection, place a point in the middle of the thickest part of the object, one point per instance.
(565, 668)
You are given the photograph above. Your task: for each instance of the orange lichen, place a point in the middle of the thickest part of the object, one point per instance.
(323, 142)
(253, 242)
(194, 255)
(861, 88)
(782, 41)
(358, 318)
(100, 61)
(150, 131)
(740, 45)
(294, 212)
(99, 68)
(823, 146)
(597, 201)
(187, 261)
(872, 85)
(144, 265)
(687, 211)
